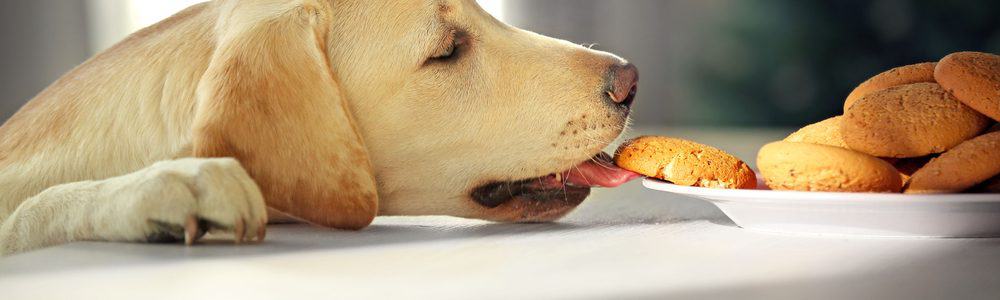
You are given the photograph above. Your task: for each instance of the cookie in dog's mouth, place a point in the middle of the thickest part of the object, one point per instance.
(567, 188)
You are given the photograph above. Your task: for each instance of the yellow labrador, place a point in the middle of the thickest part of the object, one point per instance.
(333, 111)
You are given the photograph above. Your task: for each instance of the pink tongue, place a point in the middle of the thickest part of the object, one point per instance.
(600, 174)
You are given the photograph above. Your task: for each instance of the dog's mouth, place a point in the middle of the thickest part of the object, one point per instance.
(558, 190)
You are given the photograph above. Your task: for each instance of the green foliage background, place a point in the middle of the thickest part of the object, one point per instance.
(788, 62)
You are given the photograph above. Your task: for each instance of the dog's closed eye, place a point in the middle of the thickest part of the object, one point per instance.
(451, 49)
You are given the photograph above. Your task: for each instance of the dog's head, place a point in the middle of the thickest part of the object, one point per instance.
(458, 113)
(467, 116)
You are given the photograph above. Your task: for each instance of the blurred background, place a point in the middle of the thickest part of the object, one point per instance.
(717, 63)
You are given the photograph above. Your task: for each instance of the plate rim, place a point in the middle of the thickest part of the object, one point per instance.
(744, 195)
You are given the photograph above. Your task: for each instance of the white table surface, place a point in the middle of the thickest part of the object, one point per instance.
(626, 243)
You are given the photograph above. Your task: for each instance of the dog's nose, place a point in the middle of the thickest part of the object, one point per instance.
(624, 83)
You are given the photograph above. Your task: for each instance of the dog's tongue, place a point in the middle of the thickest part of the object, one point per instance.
(599, 172)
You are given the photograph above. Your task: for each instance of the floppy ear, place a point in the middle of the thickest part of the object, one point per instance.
(270, 99)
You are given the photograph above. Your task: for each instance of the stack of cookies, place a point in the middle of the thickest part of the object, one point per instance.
(923, 128)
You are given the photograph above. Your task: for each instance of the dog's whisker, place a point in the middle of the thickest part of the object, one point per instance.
(603, 164)
(584, 177)
(588, 135)
(564, 192)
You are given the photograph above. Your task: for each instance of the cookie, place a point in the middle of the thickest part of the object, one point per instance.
(974, 78)
(822, 168)
(684, 163)
(961, 168)
(923, 72)
(826, 132)
(910, 121)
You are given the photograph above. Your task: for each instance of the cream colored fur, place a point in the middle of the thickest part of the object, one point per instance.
(329, 108)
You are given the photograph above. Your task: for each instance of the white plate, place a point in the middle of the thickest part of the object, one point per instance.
(852, 214)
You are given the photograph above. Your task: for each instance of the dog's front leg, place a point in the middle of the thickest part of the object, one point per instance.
(170, 201)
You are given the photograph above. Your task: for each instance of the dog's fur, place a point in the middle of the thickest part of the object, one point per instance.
(328, 109)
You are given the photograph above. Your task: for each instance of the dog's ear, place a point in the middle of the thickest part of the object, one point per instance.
(270, 99)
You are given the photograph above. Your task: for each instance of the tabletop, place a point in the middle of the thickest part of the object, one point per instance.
(624, 243)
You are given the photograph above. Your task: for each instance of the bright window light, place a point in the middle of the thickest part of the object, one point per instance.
(494, 7)
(142, 13)
(112, 20)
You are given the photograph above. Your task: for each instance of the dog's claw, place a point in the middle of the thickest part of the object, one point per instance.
(261, 232)
(240, 231)
(190, 230)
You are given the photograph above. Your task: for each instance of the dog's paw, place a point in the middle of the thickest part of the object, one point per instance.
(181, 200)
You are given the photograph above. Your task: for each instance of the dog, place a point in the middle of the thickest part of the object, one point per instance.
(327, 111)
